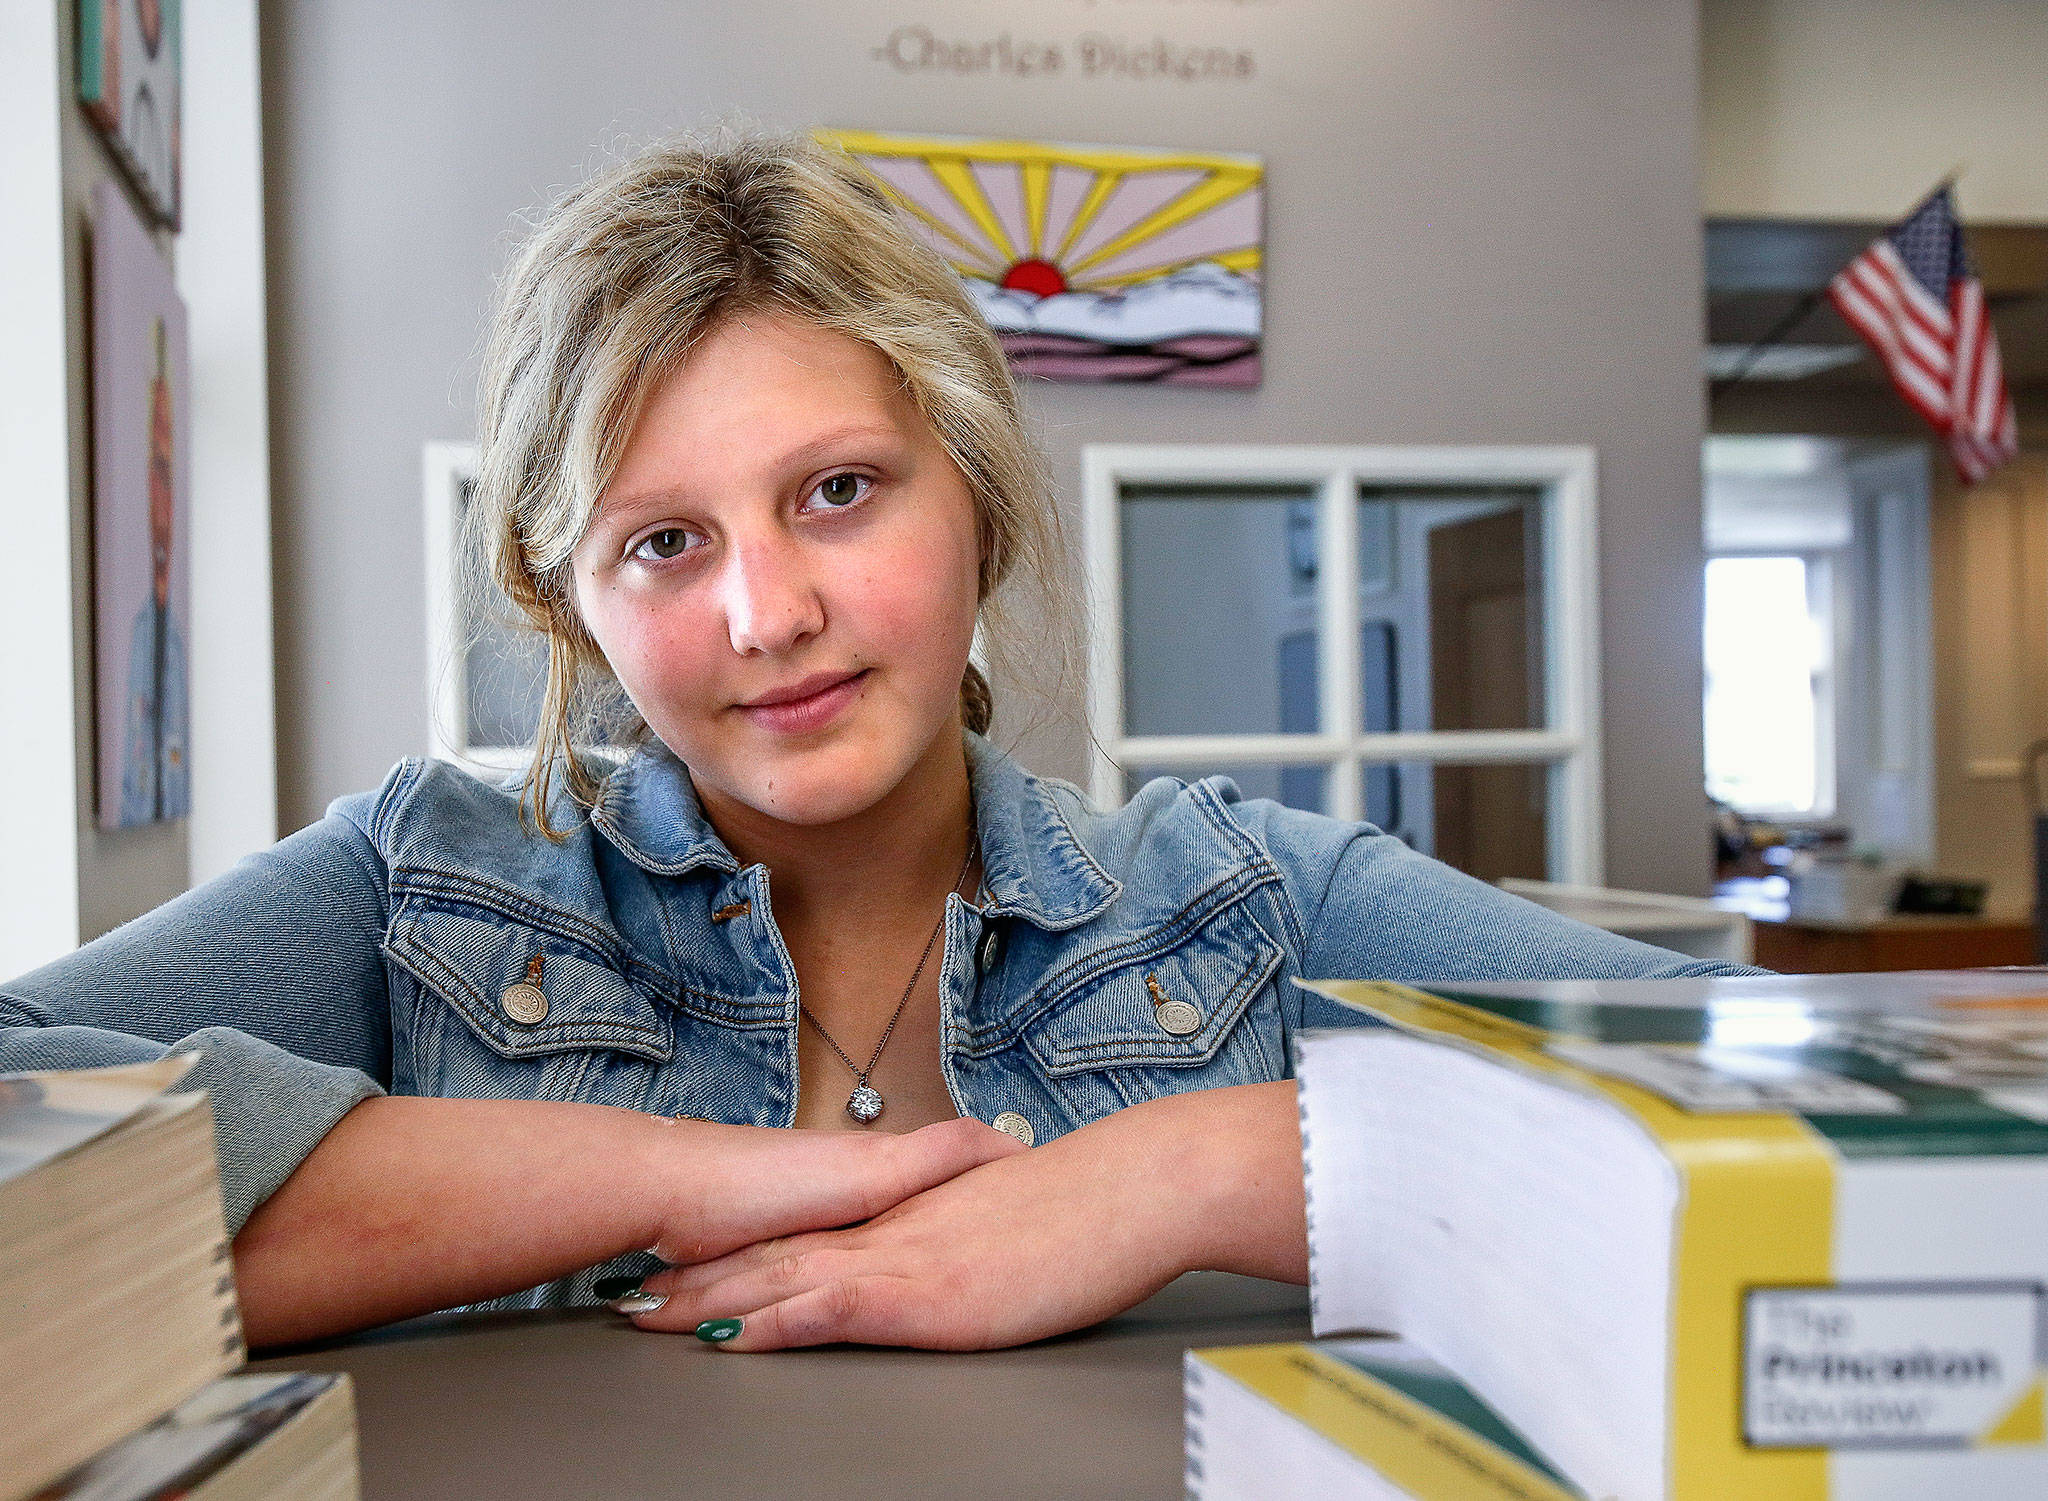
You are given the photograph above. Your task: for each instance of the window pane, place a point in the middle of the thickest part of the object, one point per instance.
(1488, 821)
(1304, 787)
(1452, 583)
(1219, 611)
(505, 667)
(1379, 668)
(1763, 651)
(506, 673)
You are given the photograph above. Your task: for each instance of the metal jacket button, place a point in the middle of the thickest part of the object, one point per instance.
(1010, 1123)
(524, 1003)
(991, 949)
(1177, 1018)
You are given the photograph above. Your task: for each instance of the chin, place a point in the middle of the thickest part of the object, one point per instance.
(813, 800)
(819, 785)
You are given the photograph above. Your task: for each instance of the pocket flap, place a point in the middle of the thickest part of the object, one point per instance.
(1117, 1017)
(471, 956)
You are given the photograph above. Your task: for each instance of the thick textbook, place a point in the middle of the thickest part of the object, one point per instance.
(1777, 1237)
(1358, 1419)
(117, 1293)
(241, 1438)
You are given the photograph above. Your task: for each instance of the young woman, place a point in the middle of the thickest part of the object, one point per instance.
(754, 468)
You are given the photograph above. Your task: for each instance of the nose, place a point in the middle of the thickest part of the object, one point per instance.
(771, 598)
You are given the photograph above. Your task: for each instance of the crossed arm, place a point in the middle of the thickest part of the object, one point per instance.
(956, 1237)
(408, 1204)
(950, 1237)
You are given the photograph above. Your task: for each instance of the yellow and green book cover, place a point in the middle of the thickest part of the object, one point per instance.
(1780, 1237)
(1356, 1418)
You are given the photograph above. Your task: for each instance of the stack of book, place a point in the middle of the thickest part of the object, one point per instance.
(1365, 1419)
(1765, 1237)
(118, 1322)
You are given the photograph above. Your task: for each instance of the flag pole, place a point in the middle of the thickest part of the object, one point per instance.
(1799, 313)
(1803, 308)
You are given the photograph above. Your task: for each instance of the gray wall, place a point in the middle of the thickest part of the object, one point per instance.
(1483, 226)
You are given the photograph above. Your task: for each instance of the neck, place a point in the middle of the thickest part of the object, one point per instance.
(901, 854)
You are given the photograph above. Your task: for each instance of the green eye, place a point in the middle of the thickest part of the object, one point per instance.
(841, 489)
(666, 543)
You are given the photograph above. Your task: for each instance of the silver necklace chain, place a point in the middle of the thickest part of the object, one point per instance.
(865, 1104)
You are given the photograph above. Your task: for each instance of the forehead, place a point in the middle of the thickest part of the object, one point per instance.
(756, 386)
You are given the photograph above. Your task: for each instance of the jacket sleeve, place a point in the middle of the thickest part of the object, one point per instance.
(1371, 908)
(272, 972)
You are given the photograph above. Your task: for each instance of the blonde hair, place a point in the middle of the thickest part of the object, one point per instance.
(605, 298)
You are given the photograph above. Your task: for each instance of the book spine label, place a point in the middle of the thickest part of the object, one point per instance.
(1894, 1365)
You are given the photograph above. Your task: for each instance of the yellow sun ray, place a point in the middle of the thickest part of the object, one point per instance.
(1037, 178)
(952, 172)
(1107, 165)
(984, 264)
(1240, 261)
(1091, 158)
(1217, 189)
(1090, 206)
(950, 162)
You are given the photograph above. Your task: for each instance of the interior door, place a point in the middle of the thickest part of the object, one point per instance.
(1485, 625)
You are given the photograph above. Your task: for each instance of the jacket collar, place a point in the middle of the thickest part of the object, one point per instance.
(1035, 867)
(648, 808)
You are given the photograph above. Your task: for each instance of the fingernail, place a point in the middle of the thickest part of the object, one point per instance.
(625, 1295)
(718, 1331)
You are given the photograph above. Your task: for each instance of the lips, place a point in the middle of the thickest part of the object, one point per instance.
(808, 704)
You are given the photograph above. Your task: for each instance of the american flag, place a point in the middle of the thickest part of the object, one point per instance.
(1912, 295)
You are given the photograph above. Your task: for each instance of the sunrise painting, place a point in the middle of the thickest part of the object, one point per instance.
(1091, 263)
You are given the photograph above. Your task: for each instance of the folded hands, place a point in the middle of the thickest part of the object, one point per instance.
(954, 1237)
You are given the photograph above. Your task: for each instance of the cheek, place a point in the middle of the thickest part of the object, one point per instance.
(660, 652)
(919, 598)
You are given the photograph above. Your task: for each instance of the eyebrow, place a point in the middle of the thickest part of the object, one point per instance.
(801, 458)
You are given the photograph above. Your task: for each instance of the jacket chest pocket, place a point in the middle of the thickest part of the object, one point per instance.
(503, 1008)
(1193, 1012)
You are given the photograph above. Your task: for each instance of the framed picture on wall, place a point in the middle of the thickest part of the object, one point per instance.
(1091, 263)
(131, 82)
(142, 479)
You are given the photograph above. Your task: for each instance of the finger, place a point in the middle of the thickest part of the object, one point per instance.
(870, 1310)
(752, 1278)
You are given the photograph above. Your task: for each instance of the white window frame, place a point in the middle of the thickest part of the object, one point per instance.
(39, 874)
(446, 467)
(1569, 743)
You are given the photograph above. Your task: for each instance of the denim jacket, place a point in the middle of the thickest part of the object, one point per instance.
(374, 951)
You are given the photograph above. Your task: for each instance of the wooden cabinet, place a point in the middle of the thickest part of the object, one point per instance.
(1897, 943)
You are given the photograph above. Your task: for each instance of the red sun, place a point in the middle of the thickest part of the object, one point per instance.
(1039, 278)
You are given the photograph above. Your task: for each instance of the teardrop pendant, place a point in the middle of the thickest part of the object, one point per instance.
(864, 1104)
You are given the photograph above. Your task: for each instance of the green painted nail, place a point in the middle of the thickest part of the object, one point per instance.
(718, 1331)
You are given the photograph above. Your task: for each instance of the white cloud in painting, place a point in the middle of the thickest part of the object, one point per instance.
(1204, 298)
